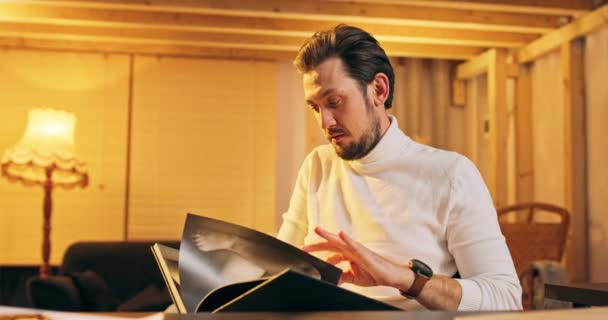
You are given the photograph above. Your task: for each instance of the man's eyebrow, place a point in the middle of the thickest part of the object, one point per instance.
(324, 93)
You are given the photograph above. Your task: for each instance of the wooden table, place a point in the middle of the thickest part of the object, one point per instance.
(581, 294)
(376, 315)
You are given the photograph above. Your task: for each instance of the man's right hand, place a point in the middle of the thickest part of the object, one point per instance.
(367, 268)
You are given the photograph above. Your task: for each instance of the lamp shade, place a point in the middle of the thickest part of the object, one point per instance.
(48, 144)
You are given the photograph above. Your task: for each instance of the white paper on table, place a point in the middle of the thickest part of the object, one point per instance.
(58, 315)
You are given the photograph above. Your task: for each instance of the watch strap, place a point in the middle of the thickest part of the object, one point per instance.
(416, 287)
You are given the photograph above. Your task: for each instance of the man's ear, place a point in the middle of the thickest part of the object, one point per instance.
(380, 89)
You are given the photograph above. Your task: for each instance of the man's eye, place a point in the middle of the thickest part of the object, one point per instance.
(334, 103)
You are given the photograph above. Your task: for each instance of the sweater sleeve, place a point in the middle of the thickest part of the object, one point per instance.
(489, 280)
(295, 220)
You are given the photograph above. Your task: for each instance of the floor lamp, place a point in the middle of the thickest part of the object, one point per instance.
(45, 157)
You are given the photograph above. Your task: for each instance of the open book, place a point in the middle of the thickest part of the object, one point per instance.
(222, 266)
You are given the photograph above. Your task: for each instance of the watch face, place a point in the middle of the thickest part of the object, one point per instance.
(420, 267)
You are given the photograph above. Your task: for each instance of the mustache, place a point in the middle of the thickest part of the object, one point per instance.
(332, 131)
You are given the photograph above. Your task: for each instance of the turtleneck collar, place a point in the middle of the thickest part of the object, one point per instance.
(390, 145)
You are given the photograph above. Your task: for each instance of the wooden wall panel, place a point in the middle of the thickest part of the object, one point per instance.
(441, 82)
(203, 142)
(487, 119)
(94, 87)
(482, 134)
(263, 83)
(426, 112)
(548, 130)
(559, 153)
(413, 97)
(596, 71)
(411, 90)
(291, 115)
(399, 108)
(510, 153)
(476, 110)
(456, 128)
(498, 124)
(422, 99)
(472, 122)
(523, 135)
(575, 155)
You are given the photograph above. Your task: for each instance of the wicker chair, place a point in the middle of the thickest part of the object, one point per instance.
(531, 242)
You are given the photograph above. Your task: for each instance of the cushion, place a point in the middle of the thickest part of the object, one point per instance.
(94, 292)
(54, 293)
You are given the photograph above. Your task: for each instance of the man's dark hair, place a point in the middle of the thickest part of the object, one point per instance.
(360, 53)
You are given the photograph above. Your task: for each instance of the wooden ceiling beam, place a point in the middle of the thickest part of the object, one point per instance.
(181, 43)
(480, 64)
(147, 35)
(96, 46)
(549, 7)
(430, 51)
(89, 17)
(251, 25)
(386, 13)
(475, 66)
(553, 40)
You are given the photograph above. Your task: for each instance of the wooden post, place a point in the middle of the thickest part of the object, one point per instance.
(399, 109)
(47, 209)
(524, 147)
(497, 110)
(414, 98)
(472, 120)
(573, 85)
(440, 101)
(459, 93)
(427, 102)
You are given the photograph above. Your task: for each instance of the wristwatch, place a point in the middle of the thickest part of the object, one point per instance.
(423, 273)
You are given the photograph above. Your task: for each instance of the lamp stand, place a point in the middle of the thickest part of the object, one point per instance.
(46, 227)
(45, 157)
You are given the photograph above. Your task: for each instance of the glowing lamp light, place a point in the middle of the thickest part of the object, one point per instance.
(45, 156)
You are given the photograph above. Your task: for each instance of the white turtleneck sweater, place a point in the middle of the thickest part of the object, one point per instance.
(405, 200)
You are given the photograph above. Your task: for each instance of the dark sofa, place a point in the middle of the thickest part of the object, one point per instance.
(103, 276)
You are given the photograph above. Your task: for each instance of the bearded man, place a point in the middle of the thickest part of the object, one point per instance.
(410, 224)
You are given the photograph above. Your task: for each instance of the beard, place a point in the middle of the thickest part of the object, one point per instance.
(368, 140)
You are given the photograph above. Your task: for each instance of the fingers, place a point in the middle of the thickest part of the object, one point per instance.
(336, 258)
(362, 251)
(350, 242)
(327, 235)
(321, 246)
(341, 238)
(340, 244)
(347, 276)
(355, 268)
(333, 243)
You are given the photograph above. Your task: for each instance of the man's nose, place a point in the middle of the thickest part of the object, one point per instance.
(327, 119)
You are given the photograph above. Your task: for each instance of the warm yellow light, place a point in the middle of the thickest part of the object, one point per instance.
(49, 131)
(48, 142)
(45, 156)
